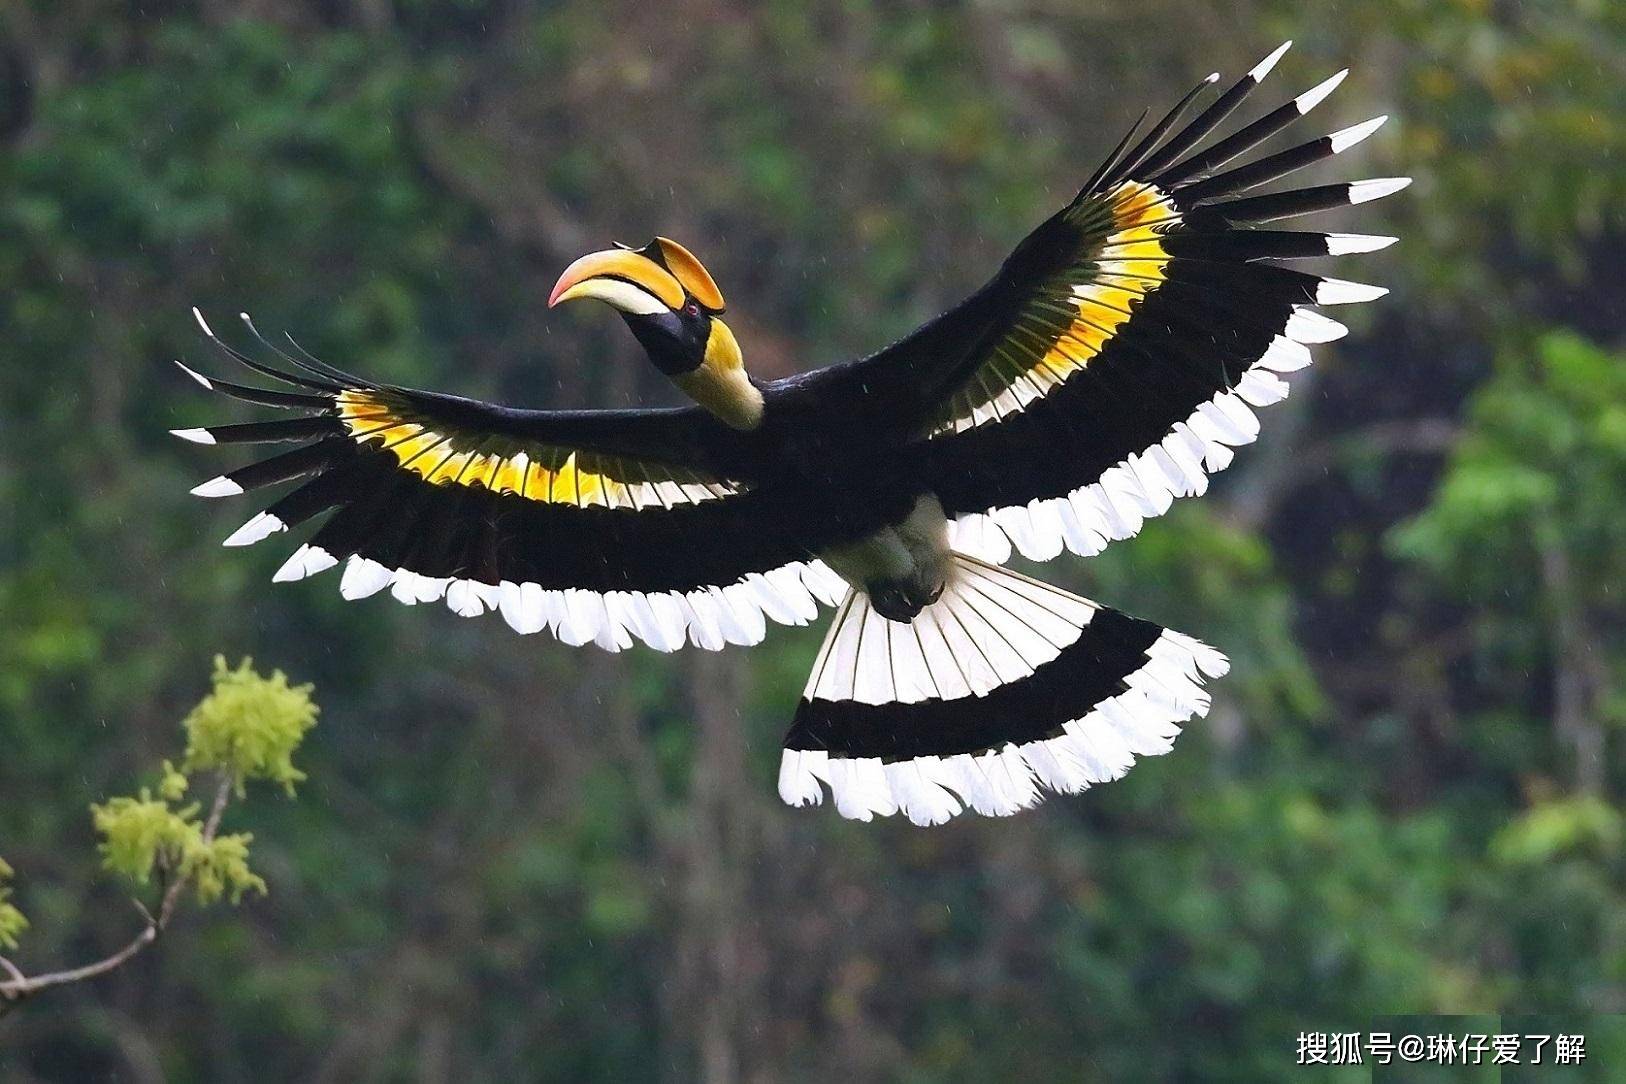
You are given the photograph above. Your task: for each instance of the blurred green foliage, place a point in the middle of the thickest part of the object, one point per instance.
(1540, 468)
(515, 859)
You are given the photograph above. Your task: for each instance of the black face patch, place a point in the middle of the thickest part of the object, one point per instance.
(674, 341)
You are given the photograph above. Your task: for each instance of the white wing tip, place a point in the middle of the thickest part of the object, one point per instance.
(307, 560)
(199, 377)
(1346, 138)
(1342, 244)
(470, 598)
(363, 577)
(1343, 292)
(1314, 96)
(196, 436)
(1309, 326)
(1262, 69)
(1213, 77)
(202, 323)
(1376, 188)
(260, 527)
(219, 486)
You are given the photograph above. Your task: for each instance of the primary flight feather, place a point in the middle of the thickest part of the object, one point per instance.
(1109, 366)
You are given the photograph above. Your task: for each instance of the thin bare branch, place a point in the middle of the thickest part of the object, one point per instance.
(22, 986)
(31, 986)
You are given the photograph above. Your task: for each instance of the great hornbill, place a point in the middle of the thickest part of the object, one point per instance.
(1107, 368)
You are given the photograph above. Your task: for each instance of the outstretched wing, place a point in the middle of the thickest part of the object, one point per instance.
(596, 525)
(1114, 361)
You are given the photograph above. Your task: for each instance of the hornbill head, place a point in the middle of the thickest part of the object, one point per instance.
(669, 300)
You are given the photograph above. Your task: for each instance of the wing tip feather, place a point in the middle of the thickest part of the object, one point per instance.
(1376, 188)
(1262, 69)
(197, 315)
(1318, 93)
(218, 486)
(194, 374)
(1345, 138)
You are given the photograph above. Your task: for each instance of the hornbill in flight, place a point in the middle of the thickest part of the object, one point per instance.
(1109, 366)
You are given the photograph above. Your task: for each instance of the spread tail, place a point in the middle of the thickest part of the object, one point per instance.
(1001, 689)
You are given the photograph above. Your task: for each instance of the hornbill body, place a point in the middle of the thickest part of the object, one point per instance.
(1108, 367)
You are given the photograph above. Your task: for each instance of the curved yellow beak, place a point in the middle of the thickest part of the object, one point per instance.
(621, 277)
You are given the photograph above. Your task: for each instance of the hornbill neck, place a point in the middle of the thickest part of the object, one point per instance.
(720, 383)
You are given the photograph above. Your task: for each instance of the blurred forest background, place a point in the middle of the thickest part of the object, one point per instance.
(517, 860)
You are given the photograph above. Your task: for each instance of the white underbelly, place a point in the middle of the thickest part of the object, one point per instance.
(915, 549)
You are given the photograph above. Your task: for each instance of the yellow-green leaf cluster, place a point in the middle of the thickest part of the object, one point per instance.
(221, 869)
(249, 727)
(172, 784)
(146, 834)
(12, 921)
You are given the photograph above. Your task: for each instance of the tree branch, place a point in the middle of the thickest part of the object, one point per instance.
(1574, 690)
(22, 986)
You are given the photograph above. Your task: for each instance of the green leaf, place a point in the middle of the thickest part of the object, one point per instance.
(221, 869)
(142, 834)
(1582, 824)
(249, 727)
(12, 921)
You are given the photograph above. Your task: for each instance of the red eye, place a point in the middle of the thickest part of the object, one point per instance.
(692, 309)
